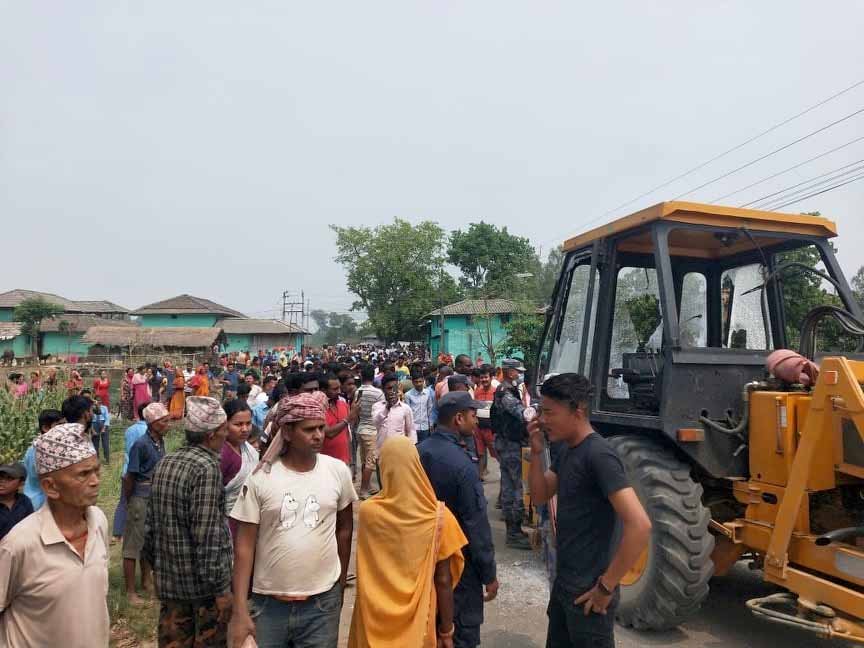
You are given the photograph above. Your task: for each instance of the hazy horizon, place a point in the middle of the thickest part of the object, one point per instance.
(204, 148)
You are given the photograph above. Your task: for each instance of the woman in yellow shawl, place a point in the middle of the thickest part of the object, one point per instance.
(409, 559)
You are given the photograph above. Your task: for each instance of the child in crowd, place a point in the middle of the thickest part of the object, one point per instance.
(48, 418)
(14, 506)
(100, 425)
(255, 438)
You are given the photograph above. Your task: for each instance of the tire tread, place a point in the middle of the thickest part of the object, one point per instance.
(681, 541)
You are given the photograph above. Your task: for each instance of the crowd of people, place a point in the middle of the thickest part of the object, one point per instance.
(244, 533)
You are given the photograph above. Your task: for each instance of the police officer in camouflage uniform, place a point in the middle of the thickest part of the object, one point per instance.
(511, 435)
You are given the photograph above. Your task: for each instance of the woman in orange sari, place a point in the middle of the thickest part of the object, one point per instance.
(200, 384)
(75, 383)
(177, 404)
(409, 559)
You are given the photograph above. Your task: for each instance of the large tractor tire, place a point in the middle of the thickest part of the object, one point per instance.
(670, 581)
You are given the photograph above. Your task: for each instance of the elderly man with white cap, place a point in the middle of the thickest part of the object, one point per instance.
(54, 563)
(186, 538)
(144, 455)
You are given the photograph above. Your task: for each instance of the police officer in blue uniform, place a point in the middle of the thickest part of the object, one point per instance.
(456, 481)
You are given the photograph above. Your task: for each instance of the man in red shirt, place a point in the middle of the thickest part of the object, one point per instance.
(337, 443)
(484, 434)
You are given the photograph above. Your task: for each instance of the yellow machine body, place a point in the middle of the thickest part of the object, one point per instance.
(805, 447)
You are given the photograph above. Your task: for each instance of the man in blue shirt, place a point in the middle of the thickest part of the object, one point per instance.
(100, 430)
(130, 436)
(457, 483)
(48, 418)
(144, 456)
(421, 400)
(229, 381)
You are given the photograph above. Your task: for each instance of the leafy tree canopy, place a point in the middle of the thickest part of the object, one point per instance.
(858, 285)
(489, 258)
(546, 275)
(332, 327)
(30, 313)
(523, 336)
(396, 271)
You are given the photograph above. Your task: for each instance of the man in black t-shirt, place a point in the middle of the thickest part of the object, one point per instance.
(596, 506)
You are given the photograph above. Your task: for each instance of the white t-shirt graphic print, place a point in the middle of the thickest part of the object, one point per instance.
(310, 512)
(288, 515)
(296, 553)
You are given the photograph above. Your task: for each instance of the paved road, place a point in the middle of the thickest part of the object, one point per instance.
(517, 619)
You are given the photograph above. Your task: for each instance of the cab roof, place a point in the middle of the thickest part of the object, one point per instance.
(712, 216)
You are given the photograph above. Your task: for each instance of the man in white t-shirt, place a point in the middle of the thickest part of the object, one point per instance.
(188, 374)
(295, 521)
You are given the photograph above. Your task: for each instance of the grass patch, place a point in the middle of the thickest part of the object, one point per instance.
(130, 626)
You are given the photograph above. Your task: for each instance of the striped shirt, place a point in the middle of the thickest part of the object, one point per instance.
(368, 396)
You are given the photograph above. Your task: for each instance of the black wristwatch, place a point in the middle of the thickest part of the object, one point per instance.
(602, 586)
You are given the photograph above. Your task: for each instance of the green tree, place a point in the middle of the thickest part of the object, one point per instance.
(396, 271)
(489, 258)
(332, 327)
(546, 276)
(858, 286)
(64, 327)
(523, 336)
(320, 317)
(30, 314)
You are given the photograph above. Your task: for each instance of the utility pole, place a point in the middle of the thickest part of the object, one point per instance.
(291, 309)
(441, 344)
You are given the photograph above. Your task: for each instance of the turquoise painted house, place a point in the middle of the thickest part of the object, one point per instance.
(241, 333)
(246, 334)
(12, 340)
(471, 326)
(184, 310)
(61, 335)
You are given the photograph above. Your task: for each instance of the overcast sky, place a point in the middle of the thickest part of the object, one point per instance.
(153, 148)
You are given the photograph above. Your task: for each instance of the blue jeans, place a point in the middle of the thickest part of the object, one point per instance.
(313, 623)
(422, 435)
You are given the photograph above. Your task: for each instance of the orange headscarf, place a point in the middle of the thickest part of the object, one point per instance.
(403, 533)
(200, 383)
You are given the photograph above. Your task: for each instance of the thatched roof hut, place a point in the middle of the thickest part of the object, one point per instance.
(179, 337)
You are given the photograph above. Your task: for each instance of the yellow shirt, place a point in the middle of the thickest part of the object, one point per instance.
(49, 595)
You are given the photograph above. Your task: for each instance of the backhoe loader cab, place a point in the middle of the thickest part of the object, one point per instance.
(672, 312)
(669, 313)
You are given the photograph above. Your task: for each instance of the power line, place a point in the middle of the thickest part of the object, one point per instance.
(770, 205)
(735, 148)
(783, 194)
(818, 193)
(774, 152)
(792, 168)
